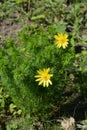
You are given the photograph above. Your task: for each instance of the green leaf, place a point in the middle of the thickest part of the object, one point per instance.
(41, 16)
(12, 107)
(19, 112)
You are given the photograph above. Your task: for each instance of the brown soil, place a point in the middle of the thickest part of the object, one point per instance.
(8, 29)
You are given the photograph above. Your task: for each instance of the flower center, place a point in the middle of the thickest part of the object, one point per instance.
(63, 40)
(46, 77)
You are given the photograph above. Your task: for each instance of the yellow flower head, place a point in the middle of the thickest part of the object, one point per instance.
(61, 40)
(43, 77)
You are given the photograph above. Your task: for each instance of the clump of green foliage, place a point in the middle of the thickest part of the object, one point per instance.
(20, 60)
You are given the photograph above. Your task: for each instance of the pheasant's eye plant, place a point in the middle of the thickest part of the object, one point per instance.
(34, 69)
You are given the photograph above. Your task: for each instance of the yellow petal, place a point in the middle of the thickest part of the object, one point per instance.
(37, 76)
(47, 83)
(38, 79)
(44, 83)
(50, 82)
(40, 82)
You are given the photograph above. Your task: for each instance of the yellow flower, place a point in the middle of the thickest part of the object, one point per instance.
(43, 77)
(61, 40)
